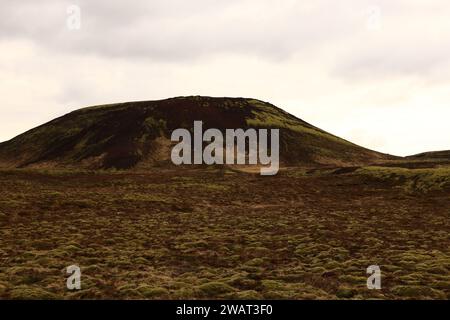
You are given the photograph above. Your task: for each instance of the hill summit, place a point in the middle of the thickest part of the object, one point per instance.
(137, 134)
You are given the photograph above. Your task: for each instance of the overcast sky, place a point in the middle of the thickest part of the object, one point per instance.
(374, 72)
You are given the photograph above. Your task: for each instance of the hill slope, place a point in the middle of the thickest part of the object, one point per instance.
(137, 134)
(431, 155)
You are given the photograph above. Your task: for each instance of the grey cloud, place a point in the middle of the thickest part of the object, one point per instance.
(177, 29)
(383, 65)
(410, 42)
(180, 30)
(422, 59)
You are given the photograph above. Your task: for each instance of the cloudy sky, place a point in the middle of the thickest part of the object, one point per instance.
(374, 72)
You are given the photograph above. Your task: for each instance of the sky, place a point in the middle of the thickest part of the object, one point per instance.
(376, 73)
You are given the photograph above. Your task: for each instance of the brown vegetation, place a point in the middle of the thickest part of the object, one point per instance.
(216, 233)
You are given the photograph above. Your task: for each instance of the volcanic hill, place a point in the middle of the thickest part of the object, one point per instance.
(137, 135)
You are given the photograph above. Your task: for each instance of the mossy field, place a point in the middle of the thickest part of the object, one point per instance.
(212, 233)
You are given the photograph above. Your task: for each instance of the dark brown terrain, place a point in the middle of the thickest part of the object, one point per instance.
(137, 134)
(87, 189)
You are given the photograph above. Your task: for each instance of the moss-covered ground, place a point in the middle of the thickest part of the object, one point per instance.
(207, 233)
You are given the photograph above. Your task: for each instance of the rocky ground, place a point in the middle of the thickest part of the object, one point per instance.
(221, 233)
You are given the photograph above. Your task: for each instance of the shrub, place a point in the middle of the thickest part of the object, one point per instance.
(153, 292)
(31, 293)
(345, 293)
(215, 288)
(417, 292)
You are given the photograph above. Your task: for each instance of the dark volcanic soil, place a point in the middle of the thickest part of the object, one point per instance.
(216, 233)
(124, 135)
